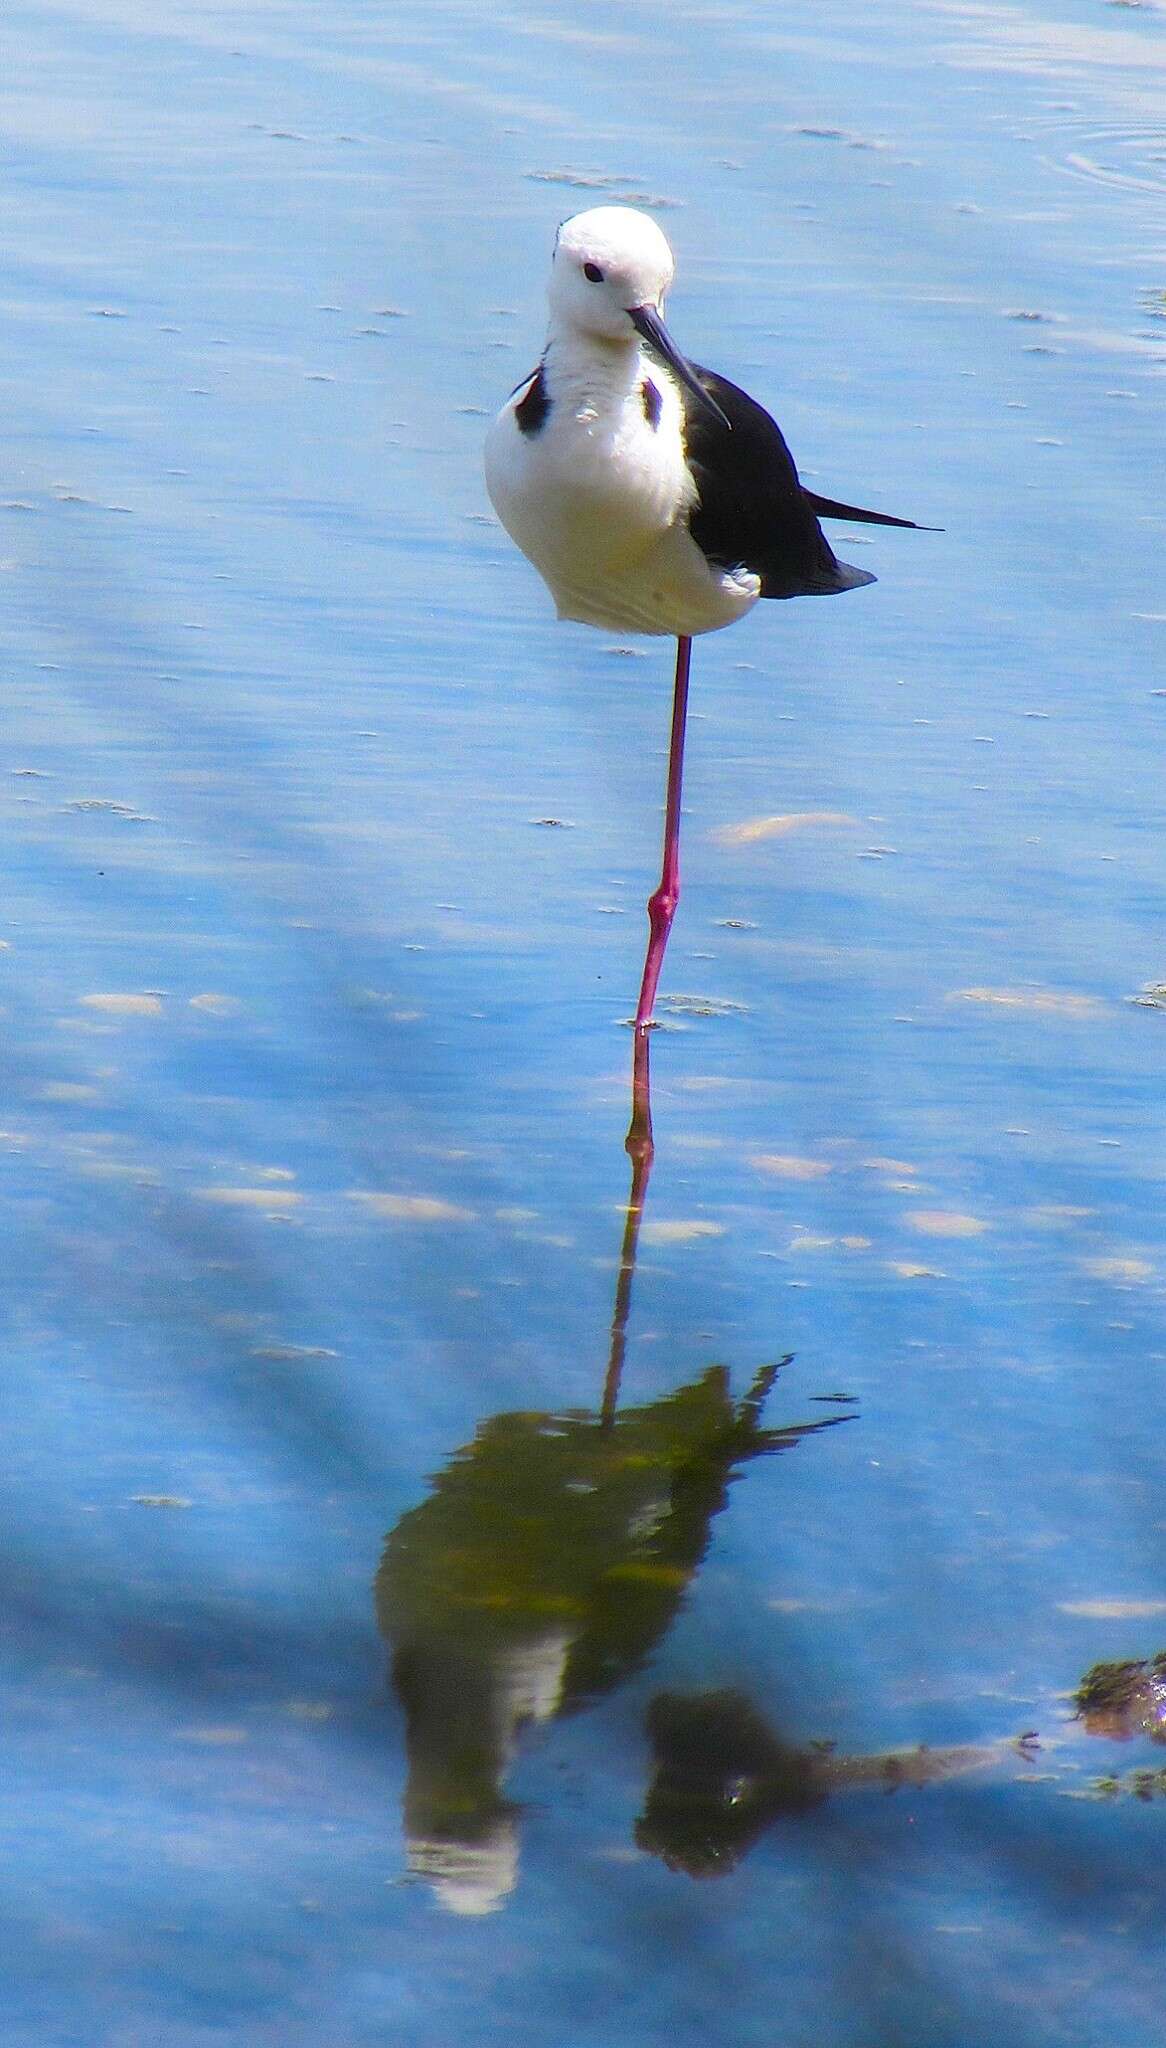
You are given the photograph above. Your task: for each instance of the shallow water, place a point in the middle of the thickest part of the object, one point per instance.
(325, 858)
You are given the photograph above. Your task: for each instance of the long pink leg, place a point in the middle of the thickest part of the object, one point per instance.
(662, 906)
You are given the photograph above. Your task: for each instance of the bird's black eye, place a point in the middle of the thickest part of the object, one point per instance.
(593, 273)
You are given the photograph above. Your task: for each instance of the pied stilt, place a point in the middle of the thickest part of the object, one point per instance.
(651, 495)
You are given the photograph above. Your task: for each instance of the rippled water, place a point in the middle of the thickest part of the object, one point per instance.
(434, 1610)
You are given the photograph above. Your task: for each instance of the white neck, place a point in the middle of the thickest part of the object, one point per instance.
(585, 371)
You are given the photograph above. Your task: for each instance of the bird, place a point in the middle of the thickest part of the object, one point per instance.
(651, 494)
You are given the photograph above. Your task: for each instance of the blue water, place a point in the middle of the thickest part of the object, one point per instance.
(317, 1070)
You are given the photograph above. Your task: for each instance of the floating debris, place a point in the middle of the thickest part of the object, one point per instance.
(1124, 1699)
(626, 190)
(113, 1005)
(945, 1223)
(1112, 1610)
(789, 1166)
(776, 827)
(1124, 1270)
(681, 1231)
(703, 1006)
(107, 803)
(293, 1354)
(412, 1208)
(1049, 1002)
(212, 1005)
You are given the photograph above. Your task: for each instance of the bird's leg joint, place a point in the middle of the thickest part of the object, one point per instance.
(662, 907)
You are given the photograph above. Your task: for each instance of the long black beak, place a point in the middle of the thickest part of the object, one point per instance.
(648, 324)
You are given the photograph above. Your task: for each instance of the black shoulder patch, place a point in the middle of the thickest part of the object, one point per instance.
(652, 403)
(531, 411)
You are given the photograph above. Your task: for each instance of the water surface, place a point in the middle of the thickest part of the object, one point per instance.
(325, 855)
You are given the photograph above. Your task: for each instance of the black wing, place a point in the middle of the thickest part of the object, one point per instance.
(752, 510)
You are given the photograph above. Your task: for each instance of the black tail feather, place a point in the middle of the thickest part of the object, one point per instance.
(829, 508)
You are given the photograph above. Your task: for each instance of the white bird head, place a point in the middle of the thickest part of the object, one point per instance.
(611, 270)
(608, 262)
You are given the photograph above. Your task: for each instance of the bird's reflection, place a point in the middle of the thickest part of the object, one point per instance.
(722, 1777)
(549, 1558)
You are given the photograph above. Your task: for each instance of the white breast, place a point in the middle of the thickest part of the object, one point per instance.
(598, 499)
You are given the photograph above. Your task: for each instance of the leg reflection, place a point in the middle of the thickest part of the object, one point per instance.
(641, 1151)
